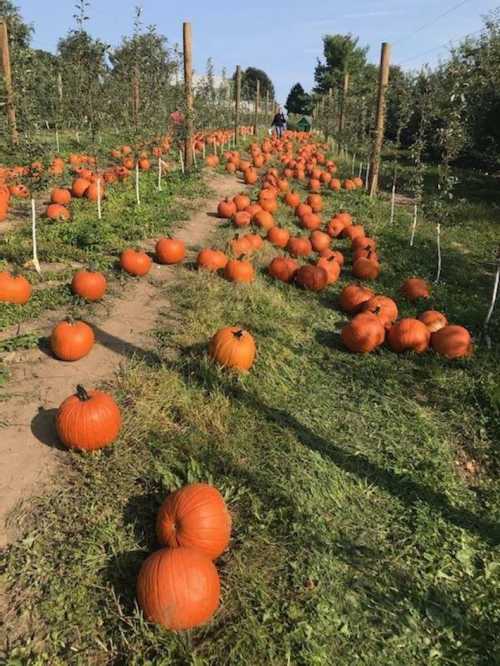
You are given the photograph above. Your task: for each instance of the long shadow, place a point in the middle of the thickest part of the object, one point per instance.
(125, 348)
(409, 492)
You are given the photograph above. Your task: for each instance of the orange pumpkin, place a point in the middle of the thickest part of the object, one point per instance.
(90, 285)
(452, 342)
(353, 296)
(14, 289)
(71, 340)
(283, 268)
(434, 320)
(233, 347)
(239, 270)
(409, 334)
(211, 259)
(170, 251)
(363, 334)
(135, 262)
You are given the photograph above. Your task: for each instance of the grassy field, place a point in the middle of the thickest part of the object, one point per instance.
(364, 489)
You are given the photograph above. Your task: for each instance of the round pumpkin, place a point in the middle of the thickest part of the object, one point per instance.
(278, 236)
(79, 187)
(88, 421)
(313, 278)
(226, 209)
(195, 516)
(239, 270)
(434, 320)
(241, 219)
(60, 196)
(178, 588)
(363, 334)
(353, 296)
(331, 266)
(409, 335)
(320, 240)
(14, 289)
(415, 288)
(211, 259)
(241, 201)
(366, 268)
(71, 340)
(233, 347)
(170, 251)
(452, 342)
(383, 307)
(135, 262)
(298, 246)
(283, 268)
(57, 212)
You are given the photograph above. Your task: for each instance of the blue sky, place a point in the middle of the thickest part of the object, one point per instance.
(283, 38)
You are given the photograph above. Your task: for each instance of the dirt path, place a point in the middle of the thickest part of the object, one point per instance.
(38, 383)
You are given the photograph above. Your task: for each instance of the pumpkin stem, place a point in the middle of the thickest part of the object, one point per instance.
(82, 393)
(238, 334)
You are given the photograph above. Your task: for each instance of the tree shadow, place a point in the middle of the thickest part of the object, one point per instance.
(124, 348)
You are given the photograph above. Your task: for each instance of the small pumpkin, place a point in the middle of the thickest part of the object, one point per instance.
(383, 307)
(178, 588)
(241, 201)
(278, 236)
(434, 320)
(264, 220)
(90, 285)
(88, 420)
(58, 212)
(211, 259)
(366, 268)
(233, 347)
(226, 209)
(320, 240)
(195, 516)
(363, 334)
(331, 266)
(239, 270)
(170, 251)
(313, 278)
(415, 288)
(310, 221)
(14, 289)
(283, 268)
(298, 246)
(79, 187)
(135, 262)
(409, 335)
(60, 196)
(328, 252)
(452, 342)
(241, 219)
(353, 296)
(71, 340)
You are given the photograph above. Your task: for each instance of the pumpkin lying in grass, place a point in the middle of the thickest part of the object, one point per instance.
(434, 320)
(88, 421)
(58, 212)
(313, 278)
(409, 335)
(366, 268)
(14, 289)
(452, 342)
(239, 270)
(195, 516)
(415, 288)
(384, 308)
(278, 236)
(298, 246)
(211, 259)
(135, 262)
(353, 296)
(233, 347)
(331, 266)
(364, 333)
(60, 196)
(226, 209)
(283, 268)
(170, 251)
(90, 285)
(178, 588)
(71, 340)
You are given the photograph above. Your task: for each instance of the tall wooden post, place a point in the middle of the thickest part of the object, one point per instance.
(257, 104)
(380, 120)
(188, 92)
(7, 73)
(343, 102)
(237, 99)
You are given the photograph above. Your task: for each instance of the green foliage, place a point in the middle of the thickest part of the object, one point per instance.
(249, 78)
(298, 101)
(341, 54)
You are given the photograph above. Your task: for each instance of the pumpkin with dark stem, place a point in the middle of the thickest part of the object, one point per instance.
(195, 516)
(71, 340)
(88, 420)
(170, 251)
(409, 335)
(452, 342)
(383, 307)
(328, 252)
(331, 266)
(178, 588)
(366, 268)
(233, 347)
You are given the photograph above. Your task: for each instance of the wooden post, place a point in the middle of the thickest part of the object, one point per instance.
(343, 101)
(7, 73)
(257, 103)
(380, 120)
(188, 91)
(237, 105)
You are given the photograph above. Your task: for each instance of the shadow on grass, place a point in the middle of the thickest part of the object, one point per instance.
(43, 427)
(124, 348)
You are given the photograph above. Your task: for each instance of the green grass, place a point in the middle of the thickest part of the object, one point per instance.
(364, 489)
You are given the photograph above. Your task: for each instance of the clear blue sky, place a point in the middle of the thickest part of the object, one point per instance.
(283, 38)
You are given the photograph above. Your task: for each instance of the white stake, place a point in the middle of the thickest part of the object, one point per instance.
(137, 192)
(194, 158)
(182, 161)
(36, 263)
(99, 211)
(438, 231)
(77, 136)
(494, 295)
(353, 163)
(215, 148)
(414, 225)
(360, 169)
(367, 177)
(159, 173)
(57, 141)
(393, 200)
(204, 151)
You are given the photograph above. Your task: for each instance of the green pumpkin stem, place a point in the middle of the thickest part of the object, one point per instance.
(82, 393)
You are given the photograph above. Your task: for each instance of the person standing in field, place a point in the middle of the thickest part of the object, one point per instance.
(279, 122)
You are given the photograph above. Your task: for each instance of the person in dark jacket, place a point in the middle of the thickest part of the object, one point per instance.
(279, 122)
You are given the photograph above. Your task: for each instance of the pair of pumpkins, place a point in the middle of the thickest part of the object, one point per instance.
(168, 251)
(178, 586)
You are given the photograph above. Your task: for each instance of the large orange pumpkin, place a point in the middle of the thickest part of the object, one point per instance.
(313, 278)
(239, 270)
(363, 334)
(58, 212)
(88, 421)
(178, 588)
(60, 196)
(383, 307)
(90, 285)
(135, 262)
(409, 334)
(71, 340)
(278, 236)
(298, 246)
(233, 347)
(415, 288)
(170, 251)
(79, 187)
(353, 296)
(452, 342)
(195, 516)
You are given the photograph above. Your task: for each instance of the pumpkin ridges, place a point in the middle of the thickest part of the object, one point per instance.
(238, 353)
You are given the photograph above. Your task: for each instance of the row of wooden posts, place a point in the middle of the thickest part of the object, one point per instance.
(188, 88)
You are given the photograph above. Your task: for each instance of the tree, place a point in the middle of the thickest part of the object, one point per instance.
(19, 31)
(298, 101)
(341, 54)
(249, 79)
